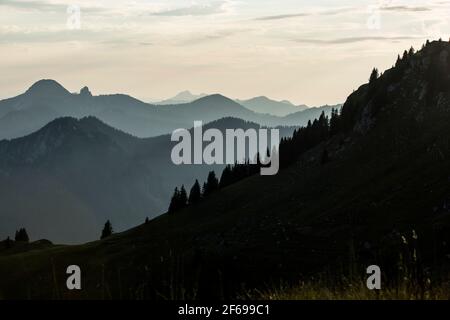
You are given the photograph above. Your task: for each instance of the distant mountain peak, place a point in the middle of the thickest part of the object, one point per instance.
(85, 92)
(187, 96)
(214, 97)
(182, 97)
(47, 87)
(288, 102)
(183, 94)
(267, 99)
(260, 98)
(263, 104)
(66, 125)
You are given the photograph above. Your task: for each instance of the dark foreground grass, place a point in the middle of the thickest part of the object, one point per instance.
(353, 291)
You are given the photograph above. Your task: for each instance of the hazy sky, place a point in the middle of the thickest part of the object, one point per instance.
(312, 52)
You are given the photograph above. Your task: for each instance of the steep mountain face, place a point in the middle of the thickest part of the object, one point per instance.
(268, 106)
(387, 176)
(65, 180)
(47, 100)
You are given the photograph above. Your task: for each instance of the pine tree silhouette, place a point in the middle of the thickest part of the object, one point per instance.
(179, 200)
(405, 56)
(195, 193)
(22, 235)
(107, 230)
(212, 184)
(399, 61)
(174, 201)
(182, 199)
(375, 74)
(334, 122)
(226, 178)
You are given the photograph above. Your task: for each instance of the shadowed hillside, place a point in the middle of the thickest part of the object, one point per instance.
(65, 180)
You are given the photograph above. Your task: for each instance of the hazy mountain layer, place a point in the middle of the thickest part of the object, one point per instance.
(65, 180)
(47, 100)
(182, 97)
(268, 106)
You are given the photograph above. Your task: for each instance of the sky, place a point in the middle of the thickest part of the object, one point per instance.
(308, 52)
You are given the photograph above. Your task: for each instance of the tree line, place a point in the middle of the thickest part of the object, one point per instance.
(21, 235)
(290, 149)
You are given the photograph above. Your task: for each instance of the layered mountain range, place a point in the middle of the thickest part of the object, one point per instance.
(77, 173)
(47, 100)
(80, 159)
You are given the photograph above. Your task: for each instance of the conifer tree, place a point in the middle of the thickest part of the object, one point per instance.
(107, 230)
(22, 235)
(399, 60)
(323, 126)
(195, 194)
(226, 178)
(212, 184)
(174, 201)
(405, 56)
(182, 199)
(334, 122)
(374, 75)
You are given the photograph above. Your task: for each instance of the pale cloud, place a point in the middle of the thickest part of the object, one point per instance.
(350, 40)
(195, 39)
(202, 9)
(307, 14)
(33, 5)
(405, 9)
(45, 6)
(283, 16)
